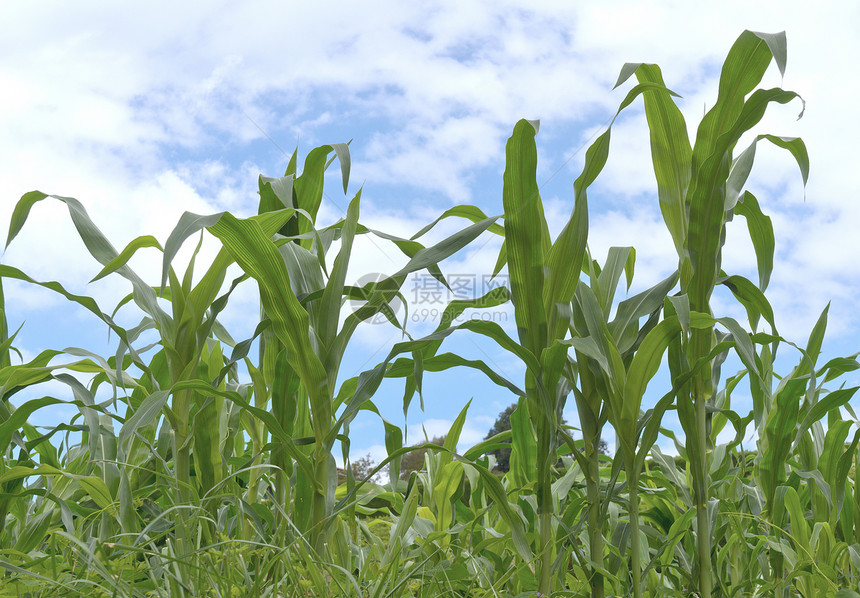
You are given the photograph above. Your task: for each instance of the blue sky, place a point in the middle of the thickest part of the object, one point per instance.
(143, 113)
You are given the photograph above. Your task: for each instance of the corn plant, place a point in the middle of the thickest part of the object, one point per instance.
(313, 347)
(699, 188)
(615, 360)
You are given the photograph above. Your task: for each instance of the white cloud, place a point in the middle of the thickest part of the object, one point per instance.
(142, 117)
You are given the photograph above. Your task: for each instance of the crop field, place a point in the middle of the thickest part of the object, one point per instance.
(211, 471)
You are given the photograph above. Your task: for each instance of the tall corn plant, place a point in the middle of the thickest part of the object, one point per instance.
(699, 188)
(302, 356)
(544, 276)
(188, 400)
(615, 359)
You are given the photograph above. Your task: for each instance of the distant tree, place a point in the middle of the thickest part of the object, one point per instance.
(603, 448)
(362, 467)
(503, 455)
(502, 424)
(414, 460)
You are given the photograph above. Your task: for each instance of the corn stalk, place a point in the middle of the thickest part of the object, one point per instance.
(698, 189)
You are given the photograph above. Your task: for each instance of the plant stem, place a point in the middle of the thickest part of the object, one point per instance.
(319, 509)
(591, 437)
(635, 549)
(545, 564)
(595, 524)
(703, 538)
(546, 434)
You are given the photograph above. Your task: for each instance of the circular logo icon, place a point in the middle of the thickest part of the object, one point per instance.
(376, 298)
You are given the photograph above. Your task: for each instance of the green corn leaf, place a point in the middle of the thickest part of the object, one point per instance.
(430, 256)
(837, 367)
(817, 478)
(262, 414)
(752, 298)
(393, 442)
(408, 247)
(308, 186)
(401, 528)
(84, 301)
(523, 461)
(126, 254)
(816, 339)
(19, 417)
(565, 256)
(842, 470)
(453, 436)
(341, 150)
(93, 486)
(823, 406)
(743, 164)
(742, 71)
(207, 429)
(625, 326)
(592, 313)
(370, 380)
(670, 152)
(526, 237)
(500, 440)
(761, 233)
(589, 347)
(306, 276)
(5, 339)
(718, 132)
(779, 435)
(285, 386)
(444, 361)
(645, 364)
(188, 225)
(799, 526)
(145, 415)
(466, 211)
(493, 298)
(98, 246)
(34, 533)
(446, 483)
(423, 258)
(607, 281)
(20, 213)
(834, 447)
(276, 193)
(258, 257)
(332, 296)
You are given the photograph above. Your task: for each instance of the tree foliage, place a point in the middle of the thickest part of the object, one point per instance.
(503, 455)
(414, 460)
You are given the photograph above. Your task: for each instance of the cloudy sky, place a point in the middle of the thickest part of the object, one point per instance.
(144, 112)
